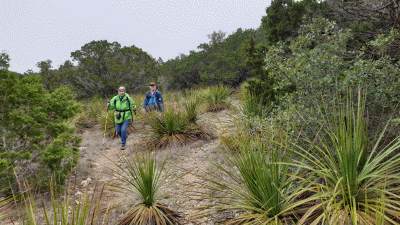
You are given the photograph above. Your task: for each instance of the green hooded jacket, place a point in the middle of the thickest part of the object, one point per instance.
(120, 105)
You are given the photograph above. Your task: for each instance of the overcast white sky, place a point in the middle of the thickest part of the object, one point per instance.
(35, 30)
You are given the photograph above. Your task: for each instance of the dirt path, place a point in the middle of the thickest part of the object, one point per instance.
(184, 165)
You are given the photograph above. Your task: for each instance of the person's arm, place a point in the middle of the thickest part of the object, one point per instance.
(146, 100)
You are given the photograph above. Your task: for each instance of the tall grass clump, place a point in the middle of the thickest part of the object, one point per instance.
(91, 110)
(253, 106)
(106, 120)
(352, 181)
(142, 176)
(257, 187)
(62, 209)
(4, 206)
(191, 106)
(216, 98)
(173, 127)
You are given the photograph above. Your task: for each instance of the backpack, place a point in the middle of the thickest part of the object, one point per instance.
(119, 111)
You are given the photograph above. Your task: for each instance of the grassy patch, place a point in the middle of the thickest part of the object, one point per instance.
(62, 208)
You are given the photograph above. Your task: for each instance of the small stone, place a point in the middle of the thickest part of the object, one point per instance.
(84, 183)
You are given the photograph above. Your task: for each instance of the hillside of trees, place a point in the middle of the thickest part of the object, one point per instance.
(316, 77)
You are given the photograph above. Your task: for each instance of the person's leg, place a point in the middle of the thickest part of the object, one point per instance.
(124, 129)
(118, 129)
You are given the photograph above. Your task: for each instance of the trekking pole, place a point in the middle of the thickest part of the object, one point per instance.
(105, 128)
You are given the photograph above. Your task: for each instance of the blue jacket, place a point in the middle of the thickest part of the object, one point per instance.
(158, 101)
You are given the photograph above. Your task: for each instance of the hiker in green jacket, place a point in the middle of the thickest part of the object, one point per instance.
(123, 106)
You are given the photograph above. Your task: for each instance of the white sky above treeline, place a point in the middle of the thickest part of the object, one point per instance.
(35, 30)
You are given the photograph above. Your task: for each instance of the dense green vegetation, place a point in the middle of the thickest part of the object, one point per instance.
(316, 139)
(36, 136)
(99, 67)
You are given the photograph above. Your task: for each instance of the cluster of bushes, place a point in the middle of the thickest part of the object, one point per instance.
(99, 68)
(37, 138)
(316, 65)
(178, 125)
(142, 175)
(337, 174)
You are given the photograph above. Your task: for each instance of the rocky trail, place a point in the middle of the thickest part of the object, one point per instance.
(185, 165)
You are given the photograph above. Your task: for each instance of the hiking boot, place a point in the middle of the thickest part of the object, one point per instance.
(123, 147)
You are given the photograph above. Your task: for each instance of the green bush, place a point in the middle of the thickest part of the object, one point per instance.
(306, 72)
(34, 128)
(61, 156)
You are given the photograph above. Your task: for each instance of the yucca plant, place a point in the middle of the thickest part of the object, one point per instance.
(4, 206)
(63, 209)
(191, 106)
(216, 98)
(142, 176)
(173, 127)
(257, 187)
(244, 141)
(252, 106)
(350, 182)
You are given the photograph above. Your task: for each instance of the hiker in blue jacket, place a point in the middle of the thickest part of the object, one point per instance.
(153, 100)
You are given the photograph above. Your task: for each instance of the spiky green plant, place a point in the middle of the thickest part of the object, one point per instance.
(351, 183)
(173, 127)
(142, 176)
(216, 98)
(257, 187)
(191, 106)
(63, 209)
(252, 106)
(4, 206)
